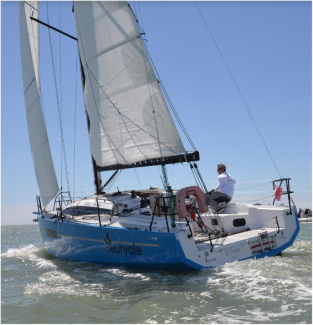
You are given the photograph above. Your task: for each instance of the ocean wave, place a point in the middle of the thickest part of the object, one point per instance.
(25, 252)
(300, 245)
(58, 282)
(30, 253)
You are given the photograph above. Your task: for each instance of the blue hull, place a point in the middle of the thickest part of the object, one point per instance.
(114, 247)
(123, 247)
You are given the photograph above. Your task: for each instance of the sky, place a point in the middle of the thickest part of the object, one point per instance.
(267, 47)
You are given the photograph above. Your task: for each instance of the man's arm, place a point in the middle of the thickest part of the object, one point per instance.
(219, 184)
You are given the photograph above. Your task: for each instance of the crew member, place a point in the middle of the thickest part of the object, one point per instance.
(223, 192)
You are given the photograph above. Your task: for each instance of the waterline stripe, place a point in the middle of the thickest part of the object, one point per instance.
(113, 242)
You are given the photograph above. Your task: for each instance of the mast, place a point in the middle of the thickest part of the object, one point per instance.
(96, 173)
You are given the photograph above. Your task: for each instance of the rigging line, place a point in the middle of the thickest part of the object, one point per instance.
(114, 179)
(94, 98)
(161, 177)
(261, 180)
(200, 183)
(60, 86)
(243, 188)
(138, 178)
(237, 89)
(135, 9)
(160, 112)
(261, 198)
(134, 133)
(126, 116)
(196, 177)
(143, 27)
(200, 176)
(135, 15)
(177, 116)
(60, 58)
(58, 104)
(121, 115)
(170, 102)
(75, 125)
(148, 84)
(160, 115)
(131, 135)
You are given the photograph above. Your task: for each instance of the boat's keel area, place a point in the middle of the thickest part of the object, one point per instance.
(131, 237)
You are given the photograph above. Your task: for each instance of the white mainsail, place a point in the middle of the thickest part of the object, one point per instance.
(129, 118)
(29, 41)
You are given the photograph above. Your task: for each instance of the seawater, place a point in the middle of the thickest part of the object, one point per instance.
(37, 288)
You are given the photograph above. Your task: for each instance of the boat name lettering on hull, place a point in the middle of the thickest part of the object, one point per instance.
(232, 251)
(122, 249)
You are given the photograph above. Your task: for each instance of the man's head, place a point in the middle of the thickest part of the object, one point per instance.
(221, 168)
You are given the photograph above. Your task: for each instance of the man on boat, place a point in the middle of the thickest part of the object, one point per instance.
(223, 192)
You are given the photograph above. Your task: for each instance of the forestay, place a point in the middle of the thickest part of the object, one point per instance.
(41, 154)
(129, 118)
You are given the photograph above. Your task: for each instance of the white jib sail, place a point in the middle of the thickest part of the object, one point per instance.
(129, 118)
(29, 41)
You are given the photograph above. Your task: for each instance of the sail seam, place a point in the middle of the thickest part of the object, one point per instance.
(112, 48)
(148, 84)
(131, 135)
(30, 5)
(29, 85)
(79, 35)
(157, 104)
(121, 114)
(156, 127)
(110, 84)
(170, 102)
(127, 117)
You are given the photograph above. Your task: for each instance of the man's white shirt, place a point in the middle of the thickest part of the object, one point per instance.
(225, 184)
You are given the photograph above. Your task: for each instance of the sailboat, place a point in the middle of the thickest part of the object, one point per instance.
(130, 126)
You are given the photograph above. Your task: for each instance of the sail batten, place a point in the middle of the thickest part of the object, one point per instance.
(129, 118)
(40, 149)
